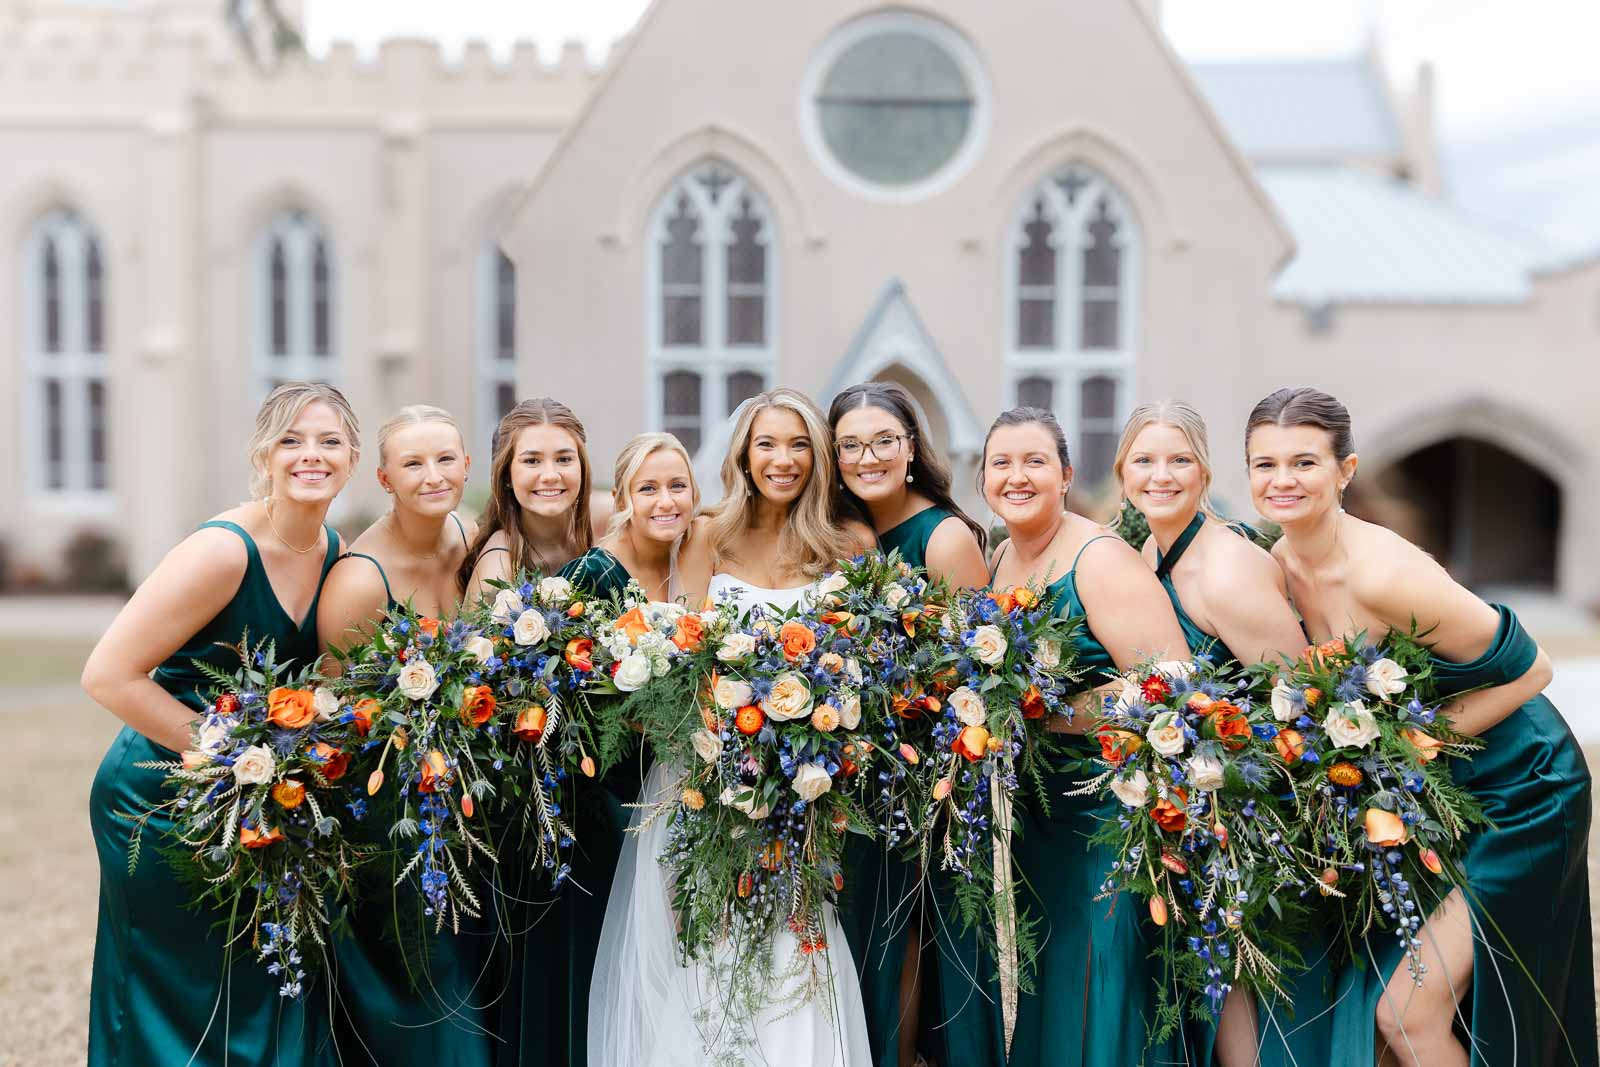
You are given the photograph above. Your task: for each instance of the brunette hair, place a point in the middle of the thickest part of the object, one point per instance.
(1181, 416)
(1027, 416)
(277, 413)
(503, 513)
(927, 469)
(1305, 406)
(415, 415)
(629, 460)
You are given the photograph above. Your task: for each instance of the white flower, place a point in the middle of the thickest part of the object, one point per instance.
(1386, 678)
(850, 711)
(417, 680)
(658, 613)
(632, 672)
(833, 583)
(507, 606)
(479, 648)
(736, 646)
(707, 745)
(1048, 653)
(969, 707)
(1352, 726)
(1175, 668)
(1205, 772)
(1166, 734)
(1283, 708)
(1133, 790)
(789, 699)
(896, 595)
(554, 591)
(530, 628)
(215, 735)
(852, 670)
(745, 801)
(989, 645)
(255, 766)
(326, 702)
(811, 780)
(731, 693)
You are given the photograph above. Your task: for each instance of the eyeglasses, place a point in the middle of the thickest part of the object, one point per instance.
(882, 448)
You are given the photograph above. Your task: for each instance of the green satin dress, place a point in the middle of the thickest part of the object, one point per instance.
(882, 905)
(1527, 882)
(1198, 640)
(167, 986)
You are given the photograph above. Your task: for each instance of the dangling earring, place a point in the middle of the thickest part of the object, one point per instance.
(909, 478)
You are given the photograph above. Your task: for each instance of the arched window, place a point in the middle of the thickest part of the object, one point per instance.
(1070, 346)
(710, 269)
(296, 337)
(64, 308)
(497, 339)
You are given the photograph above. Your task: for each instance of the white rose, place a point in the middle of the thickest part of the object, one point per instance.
(659, 614)
(632, 673)
(1352, 726)
(479, 648)
(969, 707)
(707, 745)
(1283, 708)
(852, 670)
(989, 645)
(530, 628)
(1205, 772)
(1175, 668)
(1133, 790)
(326, 702)
(1166, 734)
(850, 711)
(895, 596)
(215, 735)
(833, 583)
(790, 698)
(507, 606)
(1048, 653)
(255, 766)
(736, 647)
(731, 693)
(554, 591)
(811, 781)
(1385, 678)
(417, 679)
(745, 800)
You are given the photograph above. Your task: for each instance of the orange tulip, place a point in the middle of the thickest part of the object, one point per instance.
(575, 610)
(334, 761)
(374, 783)
(1385, 828)
(1032, 703)
(1427, 745)
(477, 705)
(1117, 745)
(250, 837)
(972, 742)
(435, 772)
(362, 714)
(633, 624)
(1291, 745)
(530, 723)
(578, 653)
(467, 805)
(1158, 911)
(291, 708)
(1169, 816)
(1430, 860)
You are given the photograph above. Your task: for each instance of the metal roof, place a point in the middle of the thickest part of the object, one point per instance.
(1320, 110)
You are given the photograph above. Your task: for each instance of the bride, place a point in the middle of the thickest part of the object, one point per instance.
(764, 545)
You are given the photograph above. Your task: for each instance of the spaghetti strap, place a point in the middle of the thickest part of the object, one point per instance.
(994, 568)
(244, 535)
(362, 555)
(1086, 544)
(462, 530)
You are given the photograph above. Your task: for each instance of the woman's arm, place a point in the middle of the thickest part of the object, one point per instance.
(188, 589)
(954, 555)
(1247, 601)
(696, 562)
(353, 598)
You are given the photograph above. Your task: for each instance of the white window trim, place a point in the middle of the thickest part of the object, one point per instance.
(945, 38)
(493, 372)
(713, 359)
(298, 229)
(74, 366)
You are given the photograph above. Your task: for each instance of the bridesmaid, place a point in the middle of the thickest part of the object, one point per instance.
(1094, 994)
(165, 985)
(1228, 593)
(403, 990)
(1513, 966)
(892, 476)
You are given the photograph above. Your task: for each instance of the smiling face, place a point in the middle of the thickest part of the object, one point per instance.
(311, 461)
(873, 452)
(780, 455)
(546, 471)
(1293, 473)
(1162, 475)
(1023, 480)
(662, 497)
(425, 466)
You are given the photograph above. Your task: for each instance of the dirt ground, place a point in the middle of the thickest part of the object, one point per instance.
(52, 739)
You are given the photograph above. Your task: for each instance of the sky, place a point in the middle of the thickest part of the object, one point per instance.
(1517, 82)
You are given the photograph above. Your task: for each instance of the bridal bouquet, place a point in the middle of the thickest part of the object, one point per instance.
(1198, 767)
(255, 810)
(1360, 728)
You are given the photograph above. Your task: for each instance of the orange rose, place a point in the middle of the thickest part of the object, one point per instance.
(1169, 816)
(633, 624)
(1385, 828)
(797, 640)
(1003, 601)
(690, 633)
(334, 761)
(1117, 745)
(1427, 745)
(530, 723)
(428, 626)
(836, 618)
(1234, 733)
(575, 610)
(250, 837)
(1032, 703)
(1290, 744)
(749, 719)
(908, 621)
(972, 742)
(477, 705)
(289, 794)
(435, 772)
(291, 708)
(362, 714)
(578, 653)
(1024, 597)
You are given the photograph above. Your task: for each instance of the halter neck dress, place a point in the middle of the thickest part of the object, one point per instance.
(1198, 640)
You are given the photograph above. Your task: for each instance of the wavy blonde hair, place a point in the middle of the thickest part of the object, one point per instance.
(416, 415)
(277, 413)
(629, 461)
(1181, 416)
(813, 539)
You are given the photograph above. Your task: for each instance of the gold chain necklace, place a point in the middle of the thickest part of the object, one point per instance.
(284, 542)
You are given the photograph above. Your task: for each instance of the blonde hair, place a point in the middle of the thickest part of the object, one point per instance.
(813, 539)
(629, 461)
(1181, 416)
(277, 413)
(415, 415)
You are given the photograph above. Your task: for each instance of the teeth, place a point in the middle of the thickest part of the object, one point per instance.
(549, 492)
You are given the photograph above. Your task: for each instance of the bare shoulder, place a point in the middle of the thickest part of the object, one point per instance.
(1381, 561)
(469, 527)
(864, 537)
(951, 534)
(498, 539)
(1233, 561)
(353, 579)
(211, 554)
(600, 510)
(998, 550)
(1148, 552)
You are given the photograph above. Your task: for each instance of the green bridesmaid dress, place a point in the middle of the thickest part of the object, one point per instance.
(1199, 641)
(1532, 997)
(880, 907)
(167, 986)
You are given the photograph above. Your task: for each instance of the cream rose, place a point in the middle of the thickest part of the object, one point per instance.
(479, 648)
(895, 596)
(1132, 790)
(1174, 668)
(417, 680)
(1283, 708)
(831, 662)
(1166, 734)
(326, 701)
(850, 711)
(530, 628)
(745, 800)
(811, 781)
(632, 672)
(707, 745)
(736, 647)
(554, 591)
(507, 606)
(730, 693)
(1352, 726)
(1048, 653)
(833, 583)
(255, 766)
(969, 707)
(1205, 772)
(790, 698)
(989, 645)
(1386, 678)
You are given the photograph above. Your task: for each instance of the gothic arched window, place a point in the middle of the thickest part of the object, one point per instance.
(297, 305)
(497, 337)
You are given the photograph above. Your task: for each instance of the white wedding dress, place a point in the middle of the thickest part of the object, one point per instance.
(646, 1009)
